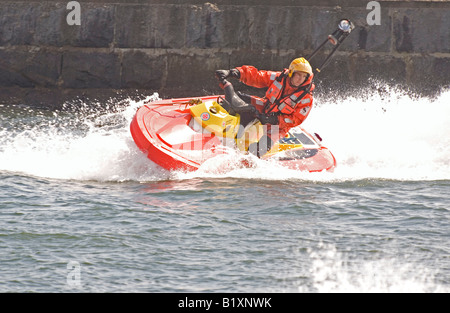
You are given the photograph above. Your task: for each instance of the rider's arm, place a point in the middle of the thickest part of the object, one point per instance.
(251, 76)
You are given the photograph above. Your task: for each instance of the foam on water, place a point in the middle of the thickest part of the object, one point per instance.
(333, 271)
(390, 135)
(87, 144)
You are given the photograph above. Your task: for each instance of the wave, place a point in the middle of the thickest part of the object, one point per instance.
(388, 135)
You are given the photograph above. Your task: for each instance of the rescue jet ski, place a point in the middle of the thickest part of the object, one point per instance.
(181, 134)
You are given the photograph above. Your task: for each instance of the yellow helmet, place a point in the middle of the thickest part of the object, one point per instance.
(300, 65)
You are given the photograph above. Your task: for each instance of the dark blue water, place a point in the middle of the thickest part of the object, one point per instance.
(83, 210)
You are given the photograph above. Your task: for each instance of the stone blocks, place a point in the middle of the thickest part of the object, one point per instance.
(174, 47)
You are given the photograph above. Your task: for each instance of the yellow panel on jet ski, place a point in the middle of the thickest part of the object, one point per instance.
(284, 145)
(214, 118)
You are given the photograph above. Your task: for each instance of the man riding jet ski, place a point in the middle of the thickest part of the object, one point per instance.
(288, 99)
(286, 104)
(184, 133)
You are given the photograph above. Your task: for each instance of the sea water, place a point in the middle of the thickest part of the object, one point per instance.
(82, 209)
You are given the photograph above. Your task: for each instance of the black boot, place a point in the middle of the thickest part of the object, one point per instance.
(261, 147)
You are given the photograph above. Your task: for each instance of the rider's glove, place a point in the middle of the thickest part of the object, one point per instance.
(224, 74)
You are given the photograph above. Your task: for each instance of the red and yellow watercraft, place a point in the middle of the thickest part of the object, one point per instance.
(184, 133)
(181, 134)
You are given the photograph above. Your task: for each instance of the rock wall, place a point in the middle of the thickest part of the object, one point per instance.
(137, 47)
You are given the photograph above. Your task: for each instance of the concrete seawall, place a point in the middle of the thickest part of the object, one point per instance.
(136, 47)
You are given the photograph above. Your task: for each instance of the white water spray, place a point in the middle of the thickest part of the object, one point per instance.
(395, 137)
(333, 271)
(392, 137)
(86, 145)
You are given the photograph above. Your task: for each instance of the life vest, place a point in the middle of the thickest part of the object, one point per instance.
(275, 103)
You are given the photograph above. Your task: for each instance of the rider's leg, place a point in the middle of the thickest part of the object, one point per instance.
(261, 147)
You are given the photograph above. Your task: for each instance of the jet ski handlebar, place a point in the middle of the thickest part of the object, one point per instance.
(233, 103)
